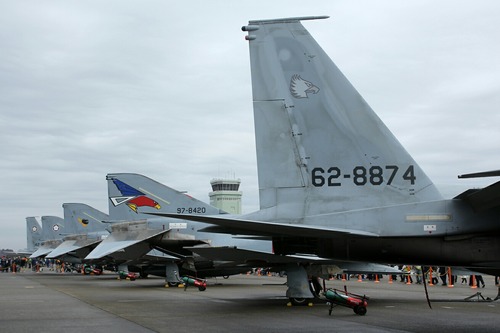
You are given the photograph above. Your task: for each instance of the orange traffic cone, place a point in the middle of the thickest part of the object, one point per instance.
(450, 278)
(473, 283)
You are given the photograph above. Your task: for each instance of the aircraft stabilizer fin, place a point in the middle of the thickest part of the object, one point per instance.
(33, 233)
(482, 199)
(71, 245)
(118, 241)
(248, 227)
(494, 173)
(320, 146)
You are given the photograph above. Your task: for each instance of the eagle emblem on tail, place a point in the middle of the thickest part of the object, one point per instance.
(299, 88)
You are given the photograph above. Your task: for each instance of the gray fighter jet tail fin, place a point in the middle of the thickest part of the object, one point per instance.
(320, 147)
(33, 234)
(85, 218)
(132, 195)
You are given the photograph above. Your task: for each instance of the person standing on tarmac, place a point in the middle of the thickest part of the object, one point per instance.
(418, 273)
(442, 275)
(479, 281)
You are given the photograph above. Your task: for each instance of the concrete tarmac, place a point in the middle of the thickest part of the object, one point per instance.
(52, 302)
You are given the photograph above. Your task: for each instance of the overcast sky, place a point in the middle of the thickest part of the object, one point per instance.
(162, 88)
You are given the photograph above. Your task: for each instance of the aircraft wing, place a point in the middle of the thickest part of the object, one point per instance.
(119, 241)
(45, 248)
(259, 259)
(42, 251)
(153, 257)
(157, 255)
(352, 267)
(71, 246)
(482, 199)
(250, 227)
(264, 259)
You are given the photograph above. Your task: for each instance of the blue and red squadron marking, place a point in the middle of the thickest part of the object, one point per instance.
(139, 199)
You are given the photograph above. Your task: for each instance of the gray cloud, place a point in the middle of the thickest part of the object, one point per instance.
(163, 89)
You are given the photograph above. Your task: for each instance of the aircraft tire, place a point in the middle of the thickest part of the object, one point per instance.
(299, 301)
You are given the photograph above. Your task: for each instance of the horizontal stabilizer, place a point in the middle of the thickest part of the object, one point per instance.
(494, 173)
(482, 199)
(42, 251)
(249, 227)
(71, 246)
(118, 241)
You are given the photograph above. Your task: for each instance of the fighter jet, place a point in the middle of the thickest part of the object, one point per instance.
(90, 230)
(186, 248)
(33, 236)
(53, 228)
(132, 240)
(334, 181)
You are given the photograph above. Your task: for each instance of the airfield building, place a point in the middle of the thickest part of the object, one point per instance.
(225, 195)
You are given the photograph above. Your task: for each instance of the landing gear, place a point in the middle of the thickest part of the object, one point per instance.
(172, 278)
(298, 292)
(300, 301)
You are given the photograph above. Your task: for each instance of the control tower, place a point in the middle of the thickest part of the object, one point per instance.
(225, 195)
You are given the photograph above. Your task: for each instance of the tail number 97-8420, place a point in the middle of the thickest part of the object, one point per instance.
(361, 176)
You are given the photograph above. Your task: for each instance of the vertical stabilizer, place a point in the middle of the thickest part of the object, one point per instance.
(131, 196)
(33, 234)
(53, 227)
(85, 218)
(320, 147)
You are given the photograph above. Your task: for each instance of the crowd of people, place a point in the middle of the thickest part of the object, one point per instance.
(14, 264)
(410, 275)
(433, 276)
(19, 264)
